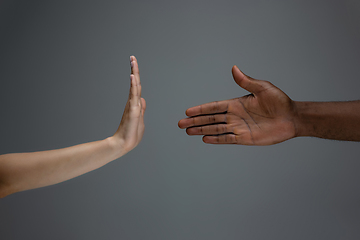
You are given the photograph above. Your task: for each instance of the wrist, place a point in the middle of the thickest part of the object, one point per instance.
(117, 146)
(304, 118)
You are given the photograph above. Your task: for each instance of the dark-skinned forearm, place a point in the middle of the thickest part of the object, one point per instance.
(330, 120)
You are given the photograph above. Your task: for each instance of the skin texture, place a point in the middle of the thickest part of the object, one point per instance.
(23, 171)
(329, 120)
(268, 116)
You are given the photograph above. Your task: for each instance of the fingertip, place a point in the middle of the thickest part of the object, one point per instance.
(132, 58)
(210, 139)
(131, 63)
(205, 139)
(188, 112)
(236, 71)
(135, 68)
(180, 124)
(244, 81)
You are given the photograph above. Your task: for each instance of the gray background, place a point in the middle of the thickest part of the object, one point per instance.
(64, 73)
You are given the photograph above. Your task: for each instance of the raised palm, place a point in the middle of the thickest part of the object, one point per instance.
(131, 128)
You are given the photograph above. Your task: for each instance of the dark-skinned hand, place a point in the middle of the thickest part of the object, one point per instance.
(264, 117)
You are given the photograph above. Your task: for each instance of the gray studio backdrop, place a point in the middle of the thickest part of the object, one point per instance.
(64, 73)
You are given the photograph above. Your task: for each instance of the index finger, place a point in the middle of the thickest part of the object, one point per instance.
(134, 66)
(208, 108)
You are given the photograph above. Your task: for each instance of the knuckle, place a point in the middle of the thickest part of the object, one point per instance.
(224, 128)
(207, 129)
(267, 82)
(229, 118)
(234, 129)
(264, 84)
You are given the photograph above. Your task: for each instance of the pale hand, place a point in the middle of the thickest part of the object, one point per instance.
(264, 117)
(131, 128)
(23, 171)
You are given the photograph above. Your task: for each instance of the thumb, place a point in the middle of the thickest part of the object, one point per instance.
(244, 81)
(143, 106)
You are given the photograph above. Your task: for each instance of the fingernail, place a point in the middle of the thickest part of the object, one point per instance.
(132, 64)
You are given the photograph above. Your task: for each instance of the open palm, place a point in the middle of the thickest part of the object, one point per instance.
(264, 117)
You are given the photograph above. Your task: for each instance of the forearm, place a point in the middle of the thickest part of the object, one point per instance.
(22, 171)
(330, 120)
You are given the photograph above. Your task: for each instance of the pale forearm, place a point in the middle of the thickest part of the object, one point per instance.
(330, 120)
(22, 171)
